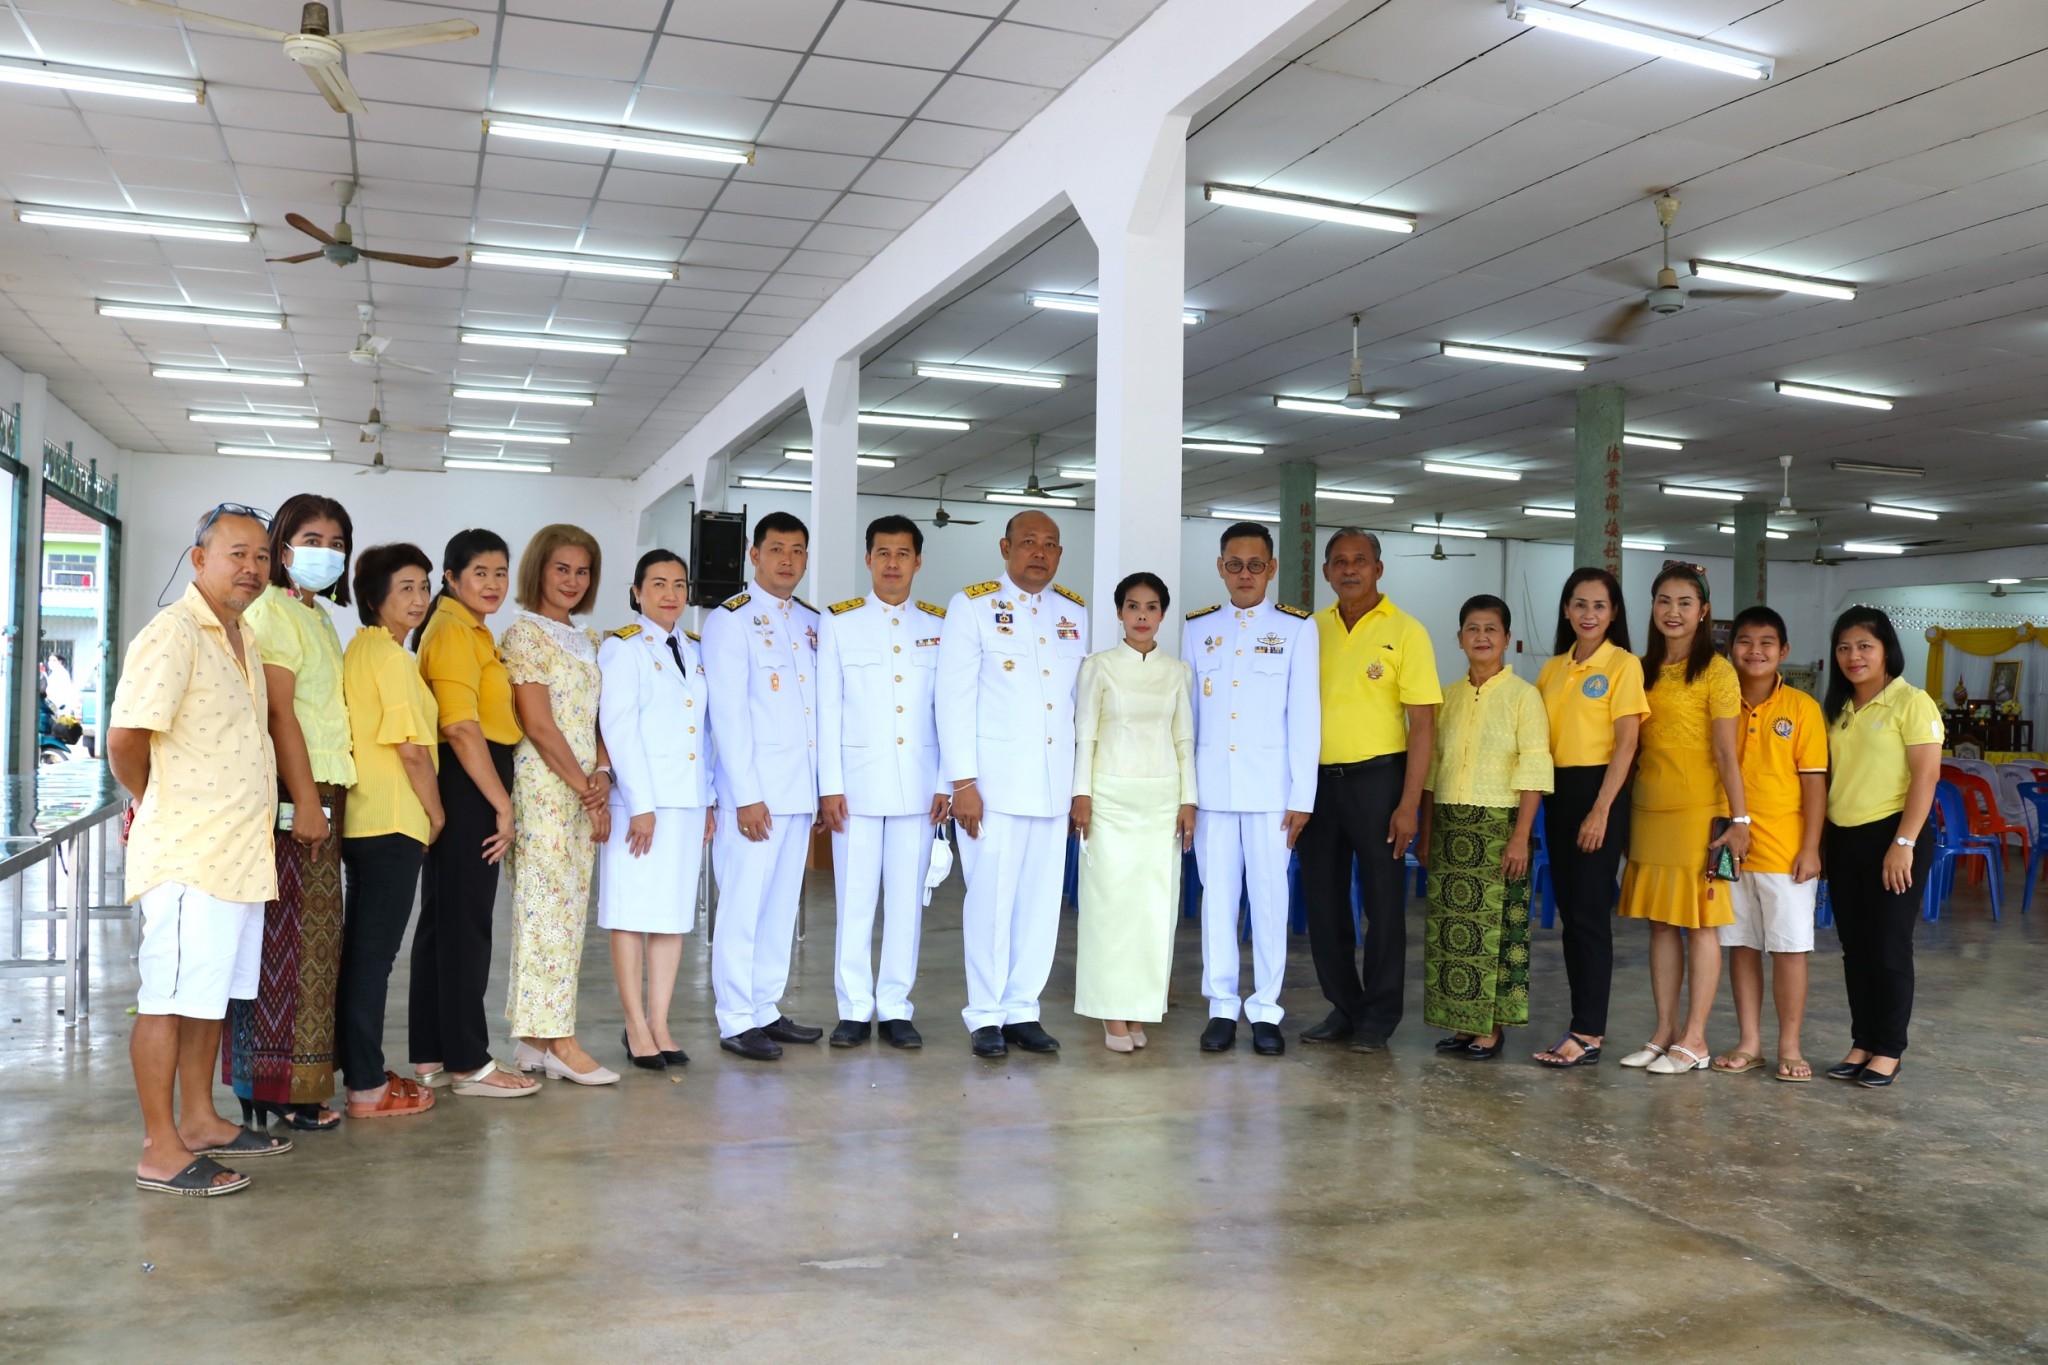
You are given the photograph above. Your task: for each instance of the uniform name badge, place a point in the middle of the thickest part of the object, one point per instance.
(1067, 630)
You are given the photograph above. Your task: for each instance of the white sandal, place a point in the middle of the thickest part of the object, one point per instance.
(1669, 1065)
(1648, 1053)
(477, 1085)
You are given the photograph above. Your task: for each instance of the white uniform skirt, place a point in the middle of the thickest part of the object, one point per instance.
(655, 893)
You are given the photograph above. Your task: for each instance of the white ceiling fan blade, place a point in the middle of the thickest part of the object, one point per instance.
(416, 369)
(378, 344)
(212, 20)
(423, 431)
(333, 82)
(408, 35)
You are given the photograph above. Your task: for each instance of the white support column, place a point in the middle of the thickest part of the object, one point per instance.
(28, 559)
(1134, 207)
(833, 397)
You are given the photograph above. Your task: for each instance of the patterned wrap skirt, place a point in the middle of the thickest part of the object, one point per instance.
(279, 1047)
(1475, 945)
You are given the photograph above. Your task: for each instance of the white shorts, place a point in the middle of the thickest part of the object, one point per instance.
(1773, 914)
(198, 952)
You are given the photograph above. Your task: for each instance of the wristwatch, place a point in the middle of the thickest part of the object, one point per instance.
(1738, 819)
(1903, 843)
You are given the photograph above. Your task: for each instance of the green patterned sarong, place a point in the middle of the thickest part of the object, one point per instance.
(1475, 947)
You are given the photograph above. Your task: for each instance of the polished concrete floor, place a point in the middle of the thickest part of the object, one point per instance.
(881, 1206)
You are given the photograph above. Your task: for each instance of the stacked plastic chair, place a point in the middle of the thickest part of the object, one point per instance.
(1953, 842)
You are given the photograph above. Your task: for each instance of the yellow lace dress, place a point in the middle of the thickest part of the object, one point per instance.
(1677, 795)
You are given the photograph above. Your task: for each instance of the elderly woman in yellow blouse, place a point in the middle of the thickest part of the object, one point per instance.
(1490, 769)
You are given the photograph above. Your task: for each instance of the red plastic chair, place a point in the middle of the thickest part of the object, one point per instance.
(1981, 805)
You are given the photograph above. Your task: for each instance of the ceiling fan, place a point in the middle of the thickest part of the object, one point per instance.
(1819, 552)
(2000, 590)
(374, 426)
(369, 349)
(944, 518)
(319, 50)
(1437, 551)
(1666, 296)
(1354, 392)
(1785, 507)
(1032, 487)
(340, 246)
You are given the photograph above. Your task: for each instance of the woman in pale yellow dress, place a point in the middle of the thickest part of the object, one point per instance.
(1134, 808)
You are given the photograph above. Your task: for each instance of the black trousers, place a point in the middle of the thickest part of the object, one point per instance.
(1876, 929)
(1584, 883)
(383, 873)
(451, 949)
(1354, 804)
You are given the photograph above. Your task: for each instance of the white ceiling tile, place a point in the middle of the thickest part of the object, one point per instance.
(572, 49)
(646, 220)
(830, 264)
(697, 112)
(791, 24)
(741, 227)
(871, 32)
(1103, 18)
(777, 201)
(546, 95)
(720, 68)
(808, 170)
(430, 164)
(501, 172)
(187, 177)
(829, 130)
(547, 210)
(396, 88)
(869, 210)
(1034, 56)
(857, 241)
(639, 14)
(986, 104)
(733, 254)
(908, 179)
(945, 144)
(864, 87)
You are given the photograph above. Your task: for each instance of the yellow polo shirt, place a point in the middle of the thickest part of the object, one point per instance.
(1370, 674)
(459, 660)
(205, 820)
(388, 705)
(1868, 747)
(1583, 700)
(1780, 738)
(1492, 743)
(302, 641)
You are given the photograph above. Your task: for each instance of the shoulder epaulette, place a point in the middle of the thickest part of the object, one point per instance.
(695, 638)
(1203, 611)
(625, 632)
(1070, 595)
(981, 589)
(805, 605)
(850, 604)
(1301, 612)
(735, 603)
(929, 609)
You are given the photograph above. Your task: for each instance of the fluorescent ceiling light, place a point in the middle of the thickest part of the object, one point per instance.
(1631, 438)
(530, 438)
(517, 341)
(611, 137)
(1773, 279)
(1084, 475)
(1554, 513)
(145, 224)
(1679, 490)
(1223, 447)
(498, 466)
(976, 375)
(784, 485)
(1030, 500)
(1346, 495)
(1725, 529)
(1627, 544)
(864, 461)
(1899, 471)
(1542, 360)
(94, 81)
(1301, 206)
(271, 381)
(1461, 532)
(1885, 509)
(1654, 42)
(1865, 547)
(1331, 408)
(1225, 514)
(2001, 581)
(897, 419)
(553, 400)
(1826, 395)
(1471, 471)
(575, 262)
(276, 452)
(255, 419)
(207, 317)
(1083, 303)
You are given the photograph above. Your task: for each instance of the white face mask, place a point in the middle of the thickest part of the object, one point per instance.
(315, 567)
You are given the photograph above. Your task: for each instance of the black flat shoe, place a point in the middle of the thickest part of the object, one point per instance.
(1456, 1042)
(1368, 1042)
(850, 1033)
(788, 1030)
(654, 1061)
(1266, 1040)
(755, 1045)
(675, 1056)
(1336, 1028)
(1846, 1071)
(303, 1118)
(1878, 1080)
(899, 1033)
(988, 1042)
(1479, 1052)
(1220, 1036)
(1031, 1036)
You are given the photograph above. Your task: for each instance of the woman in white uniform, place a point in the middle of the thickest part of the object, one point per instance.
(656, 727)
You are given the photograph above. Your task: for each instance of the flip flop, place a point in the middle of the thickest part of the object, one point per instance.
(1784, 1062)
(477, 1086)
(1745, 1061)
(248, 1144)
(195, 1180)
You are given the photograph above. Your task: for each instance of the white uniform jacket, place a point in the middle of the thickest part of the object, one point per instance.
(761, 659)
(655, 719)
(1258, 706)
(1006, 694)
(878, 740)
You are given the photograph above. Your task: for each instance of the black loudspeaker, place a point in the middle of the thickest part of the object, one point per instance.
(718, 557)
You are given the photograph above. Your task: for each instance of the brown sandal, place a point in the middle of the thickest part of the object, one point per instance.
(400, 1098)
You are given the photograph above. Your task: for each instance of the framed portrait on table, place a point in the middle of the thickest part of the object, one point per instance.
(2005, 680)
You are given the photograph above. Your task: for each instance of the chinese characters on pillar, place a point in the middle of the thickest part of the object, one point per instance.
(1610, 526)
(1302, 531)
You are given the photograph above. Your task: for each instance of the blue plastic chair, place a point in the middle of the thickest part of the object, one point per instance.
(2036, 795)
(1823, 908)
(1954, 842)
(1542, 886)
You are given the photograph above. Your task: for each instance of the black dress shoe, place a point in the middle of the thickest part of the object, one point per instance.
(1878, 1080)
(653, 1062)
(755, 1045)
(788, 1030)
(1455, 1042)
(1266, 1040)
(900, 1033)
(1220, 1036)
(1031, 1037)
(1846, 1071)
(1335, 1029)
(675, 1056)
(988, 1042)
(850, 1033)
(1363, 1041)
(1480, 1052)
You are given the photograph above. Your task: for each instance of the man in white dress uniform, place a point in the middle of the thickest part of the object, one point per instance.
(878, 770)
(761, 658)
(1258, 732)
(1012, 651)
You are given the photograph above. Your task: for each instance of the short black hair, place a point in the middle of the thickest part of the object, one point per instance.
(1347, 533)
(1486, 601)
(376, 567)
(464, 548)
(780, 521)
(299, 509)
(1245, 530)
(1759, 615)
(894, 525)
(1142, 579)
(1840, 690)
(648, 561)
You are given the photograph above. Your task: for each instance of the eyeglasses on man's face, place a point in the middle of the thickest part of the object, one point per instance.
(1250, 566)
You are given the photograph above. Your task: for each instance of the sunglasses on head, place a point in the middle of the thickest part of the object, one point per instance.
(228, 509)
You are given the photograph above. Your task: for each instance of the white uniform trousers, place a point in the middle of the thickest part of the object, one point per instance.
(759, 885)
(1237, 850)
(886, 854)
(1010, 919)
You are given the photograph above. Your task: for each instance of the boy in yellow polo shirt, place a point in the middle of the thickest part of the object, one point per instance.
(1783, 747)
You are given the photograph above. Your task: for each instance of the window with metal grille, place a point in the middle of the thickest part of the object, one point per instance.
(70, 571)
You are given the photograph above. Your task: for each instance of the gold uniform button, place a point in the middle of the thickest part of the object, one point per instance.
(799, 677)
(1048, 739)
(1046, 671)
(894, 622)
(693, 729)
(899, 738)
(1240, 652)
(899, 677)
(899, 711)
(689, 701)
(1233, 748)
(693, 757)
(898, 648)
(1233, 682)
(1048, 706)
(1233, 715)
(1041, 639)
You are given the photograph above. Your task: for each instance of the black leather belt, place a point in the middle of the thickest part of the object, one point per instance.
(1363, 766)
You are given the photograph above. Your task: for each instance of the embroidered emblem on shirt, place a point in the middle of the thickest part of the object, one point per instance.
(850, 604)
(1291, 611)
(1004, 630)
(1782, 727)
(939, 612)
(1067, 630)
(1270, 643)
(1212, 642)
(1203, 611)
(625, 632)
(1004, 618)
(1070, 595)
(1376, 671)
(1595, 686)
(981, 589)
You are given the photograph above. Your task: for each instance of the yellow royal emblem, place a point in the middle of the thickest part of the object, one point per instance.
(1377, 670)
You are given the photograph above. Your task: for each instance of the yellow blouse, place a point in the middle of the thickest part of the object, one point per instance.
(460, 662)
(1868, 746)
(1492, 743)
(1675, 765)
(1133, 718)
(388, 705)
(302, 641)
